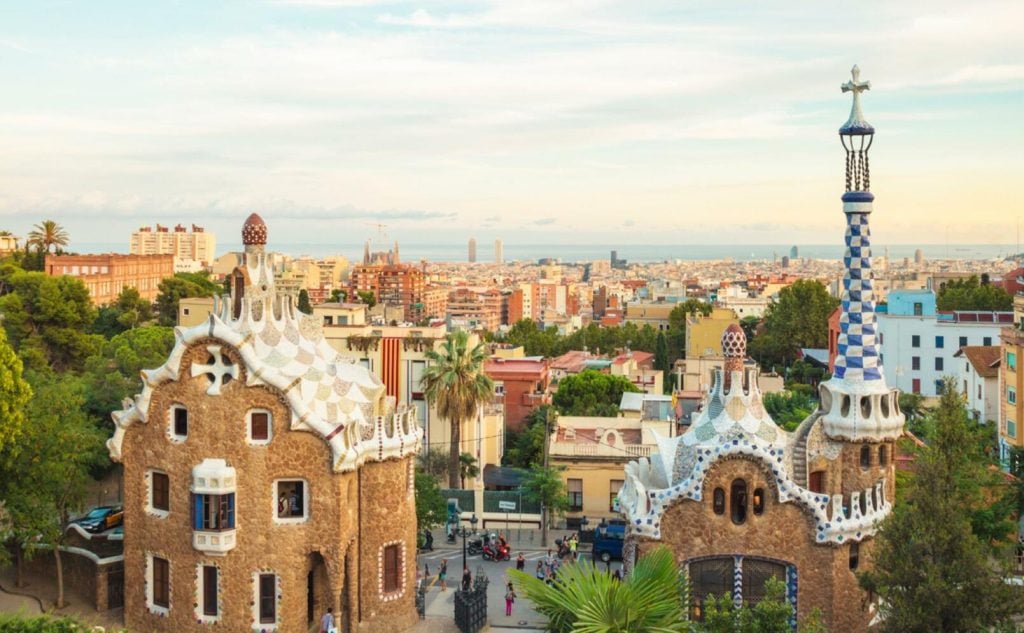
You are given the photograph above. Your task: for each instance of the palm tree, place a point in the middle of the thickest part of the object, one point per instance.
(584, 598)
(467, 467)
(46, 234)
(455, 384)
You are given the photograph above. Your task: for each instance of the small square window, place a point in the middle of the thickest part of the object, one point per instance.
(940, 342)
(213, 513)
(160, 592)
(1011, 395)
(575, 489)
(160, 493)
(185, 311)
(915, 362)
(939, 386)
(259, 427)
(179, 422)
(986, 341)
(291, 501)
(963, 341)
(915, 340)
(1011, 428)
(938, 363)
(918, 309)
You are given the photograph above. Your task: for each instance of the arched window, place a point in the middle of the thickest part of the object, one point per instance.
(719, 501)
(758, 501)
(883, 455)
(738, 501)
(854, 555)
(865, 457)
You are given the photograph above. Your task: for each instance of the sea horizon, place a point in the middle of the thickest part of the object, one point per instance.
(640, 253)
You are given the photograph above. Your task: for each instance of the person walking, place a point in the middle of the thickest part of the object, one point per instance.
(510, 598)
(520, 562)
(327, 622)
(442, 575)
(573, 542)
(540, 573)
(467, 579)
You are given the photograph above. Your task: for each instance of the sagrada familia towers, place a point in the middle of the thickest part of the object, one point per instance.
(738, 499)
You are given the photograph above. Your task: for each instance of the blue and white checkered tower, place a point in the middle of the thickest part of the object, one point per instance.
(857, 404)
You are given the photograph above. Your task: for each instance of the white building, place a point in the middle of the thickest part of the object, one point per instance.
(921, 343)
(978, 378)
(186, 245)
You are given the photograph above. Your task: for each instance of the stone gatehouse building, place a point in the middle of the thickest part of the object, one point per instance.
(266, 479)
(738, 499)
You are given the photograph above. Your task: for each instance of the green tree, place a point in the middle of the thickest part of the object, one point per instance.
(15, 394)
(431, 509)
(44, 476)
(47, 234)
(468, 468)
(434, 463)
(591, 393)
(583, 598)
(525, 449)
(544, 485)
(455, 384)
(798, 318)
(367, 297)
(174, 289)
(972, 294)
(661, 353)
(304, 305)
(129, 311)
(750, 325)
(338, 295)
(932, 571)
(114, 373)
(47, 320)
(788, 408)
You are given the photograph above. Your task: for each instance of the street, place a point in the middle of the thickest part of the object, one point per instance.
(442, 604)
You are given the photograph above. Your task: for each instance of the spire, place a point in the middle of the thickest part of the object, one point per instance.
(394, 255)
(366, 252)
(856, 403)
(254, 231)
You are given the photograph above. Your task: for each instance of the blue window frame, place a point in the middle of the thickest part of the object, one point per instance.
(212, 513)
(940, 342)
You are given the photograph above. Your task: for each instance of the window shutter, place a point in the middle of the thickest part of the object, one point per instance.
(197, 512)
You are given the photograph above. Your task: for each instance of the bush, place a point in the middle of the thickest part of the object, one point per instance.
(15, 623)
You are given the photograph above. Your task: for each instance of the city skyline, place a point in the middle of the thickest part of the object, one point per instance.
(580, 122)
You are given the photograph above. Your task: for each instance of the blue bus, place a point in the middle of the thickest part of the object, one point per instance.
(608, 542)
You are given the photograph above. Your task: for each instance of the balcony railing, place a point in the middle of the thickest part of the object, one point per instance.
(214, 542)
(592, 449)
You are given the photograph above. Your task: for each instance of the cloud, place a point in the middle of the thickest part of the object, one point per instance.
(544, 221)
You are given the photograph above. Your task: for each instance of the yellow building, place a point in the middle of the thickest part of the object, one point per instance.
(653, 314)
(1011, 383)
(593, 452)
(703, 351)
(8, 244)
(186, 245)
(194, 310)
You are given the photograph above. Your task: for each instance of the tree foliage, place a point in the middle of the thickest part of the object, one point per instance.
(468, 468)
(525, 449)
(591, 393)
(433, 463)
(304, 304)
(544, 485)
(367, 297)
(181, 286)
(46, 235)
(454, 382)
(115, 372)
(431, 509)
(973, 294)
(788, 408)
(14, 395)
(933, 570)
(129, 311)
(44, 475)
(797, 318)
(47, 320)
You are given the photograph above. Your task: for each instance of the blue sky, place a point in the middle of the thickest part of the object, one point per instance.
(536, 121)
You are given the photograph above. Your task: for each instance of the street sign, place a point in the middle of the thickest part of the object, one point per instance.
(507, 506)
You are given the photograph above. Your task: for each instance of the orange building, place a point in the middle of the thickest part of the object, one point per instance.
(522, 383)
(105, 276)
(474, 308)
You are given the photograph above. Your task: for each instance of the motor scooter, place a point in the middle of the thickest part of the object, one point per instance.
(475, 546)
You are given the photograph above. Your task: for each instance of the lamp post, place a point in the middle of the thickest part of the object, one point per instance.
(464, 533)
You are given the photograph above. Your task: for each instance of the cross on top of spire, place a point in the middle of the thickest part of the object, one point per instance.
(856, 123)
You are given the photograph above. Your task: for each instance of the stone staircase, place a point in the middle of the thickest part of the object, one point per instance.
(799, 473)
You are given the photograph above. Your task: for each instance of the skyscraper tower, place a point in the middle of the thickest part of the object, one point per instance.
(857, 404)
(472, 250)
(499, 252)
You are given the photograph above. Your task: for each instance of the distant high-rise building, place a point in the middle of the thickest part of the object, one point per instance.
(794, 252)
(186, 245)
(472, 250)
(919, 256)
(616, 262)
(785, 262)
(499, 252)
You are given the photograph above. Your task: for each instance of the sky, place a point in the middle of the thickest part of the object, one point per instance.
(536, 121)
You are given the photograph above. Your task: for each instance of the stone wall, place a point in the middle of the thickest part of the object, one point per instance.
(784, 532)
(388, 514)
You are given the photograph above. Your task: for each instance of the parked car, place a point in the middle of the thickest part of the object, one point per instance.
(101, 519)
(608, 540)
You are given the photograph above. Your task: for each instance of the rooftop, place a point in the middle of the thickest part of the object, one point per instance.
(984, 358)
